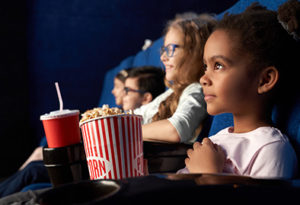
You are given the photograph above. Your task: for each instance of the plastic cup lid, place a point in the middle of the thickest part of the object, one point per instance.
(59, 114)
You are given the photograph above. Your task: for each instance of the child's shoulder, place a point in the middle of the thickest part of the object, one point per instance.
(194, 85)
(262, 135)
(192, 88)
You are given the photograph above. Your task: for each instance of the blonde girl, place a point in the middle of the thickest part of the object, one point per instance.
(175, 115)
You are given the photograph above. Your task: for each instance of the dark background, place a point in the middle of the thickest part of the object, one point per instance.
(73, 42)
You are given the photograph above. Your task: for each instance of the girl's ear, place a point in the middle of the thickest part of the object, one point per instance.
(147, 98)
(267, 79)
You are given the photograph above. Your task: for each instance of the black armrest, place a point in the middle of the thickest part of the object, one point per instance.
(165, 157)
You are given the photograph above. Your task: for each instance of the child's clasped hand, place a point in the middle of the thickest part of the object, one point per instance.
(205, 157)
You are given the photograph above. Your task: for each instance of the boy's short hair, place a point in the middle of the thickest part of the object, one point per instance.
(150, 79)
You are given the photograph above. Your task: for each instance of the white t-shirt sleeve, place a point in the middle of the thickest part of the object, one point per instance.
(190, 112)
(274, 160)
(149, 110)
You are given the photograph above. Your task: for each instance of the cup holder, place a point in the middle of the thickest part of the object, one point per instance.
(81, 192)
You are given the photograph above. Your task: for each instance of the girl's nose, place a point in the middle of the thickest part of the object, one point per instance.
(163, 57)
(204, 80)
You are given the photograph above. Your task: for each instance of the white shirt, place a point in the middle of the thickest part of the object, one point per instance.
(190, 112)
(263, 152)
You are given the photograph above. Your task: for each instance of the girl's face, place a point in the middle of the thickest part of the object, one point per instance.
(118, 91)
(173, 36)
(227, 85)
(132, 99)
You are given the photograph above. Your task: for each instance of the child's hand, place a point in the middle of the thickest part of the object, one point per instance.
(205, 158)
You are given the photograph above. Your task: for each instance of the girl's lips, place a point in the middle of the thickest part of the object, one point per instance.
(209, 97)
(168, 67)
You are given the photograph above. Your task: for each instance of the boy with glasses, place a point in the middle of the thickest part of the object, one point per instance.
(142, 85)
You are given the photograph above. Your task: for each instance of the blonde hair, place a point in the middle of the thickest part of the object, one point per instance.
(196, 29)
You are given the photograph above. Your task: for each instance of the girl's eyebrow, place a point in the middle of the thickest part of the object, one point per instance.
(213, 58)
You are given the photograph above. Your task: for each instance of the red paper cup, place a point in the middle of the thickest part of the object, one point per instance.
(61, 128)
(114, 146)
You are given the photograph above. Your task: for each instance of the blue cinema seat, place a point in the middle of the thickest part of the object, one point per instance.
(151, 55)
(148, 57)
(289, 121)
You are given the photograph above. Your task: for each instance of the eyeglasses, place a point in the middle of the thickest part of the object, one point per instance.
(127, 89)
(169, 49)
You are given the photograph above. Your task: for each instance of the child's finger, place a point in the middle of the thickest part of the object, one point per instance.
(207, 141)
(196, 145)
(189, 152)
(186, 161)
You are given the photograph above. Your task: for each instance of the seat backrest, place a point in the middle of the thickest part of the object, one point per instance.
(289, 124)
(243, 4)
(150, 56)
(220, 122)
(286, 117)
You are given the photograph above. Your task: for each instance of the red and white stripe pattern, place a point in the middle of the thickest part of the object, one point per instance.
(114, 146)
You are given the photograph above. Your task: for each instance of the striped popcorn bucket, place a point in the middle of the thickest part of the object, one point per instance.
(113, 146)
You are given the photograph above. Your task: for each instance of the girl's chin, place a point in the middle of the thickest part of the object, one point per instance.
(169, 77)
(213, 111)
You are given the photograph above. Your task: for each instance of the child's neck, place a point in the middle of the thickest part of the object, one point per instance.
(248, 123)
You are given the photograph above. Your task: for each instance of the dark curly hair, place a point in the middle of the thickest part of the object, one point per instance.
(259, 33)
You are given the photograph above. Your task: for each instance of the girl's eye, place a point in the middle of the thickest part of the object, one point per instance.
(218, 66)
(205, 67)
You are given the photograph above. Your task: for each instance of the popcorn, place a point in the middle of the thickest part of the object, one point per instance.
(113, 143)
(101, 112)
